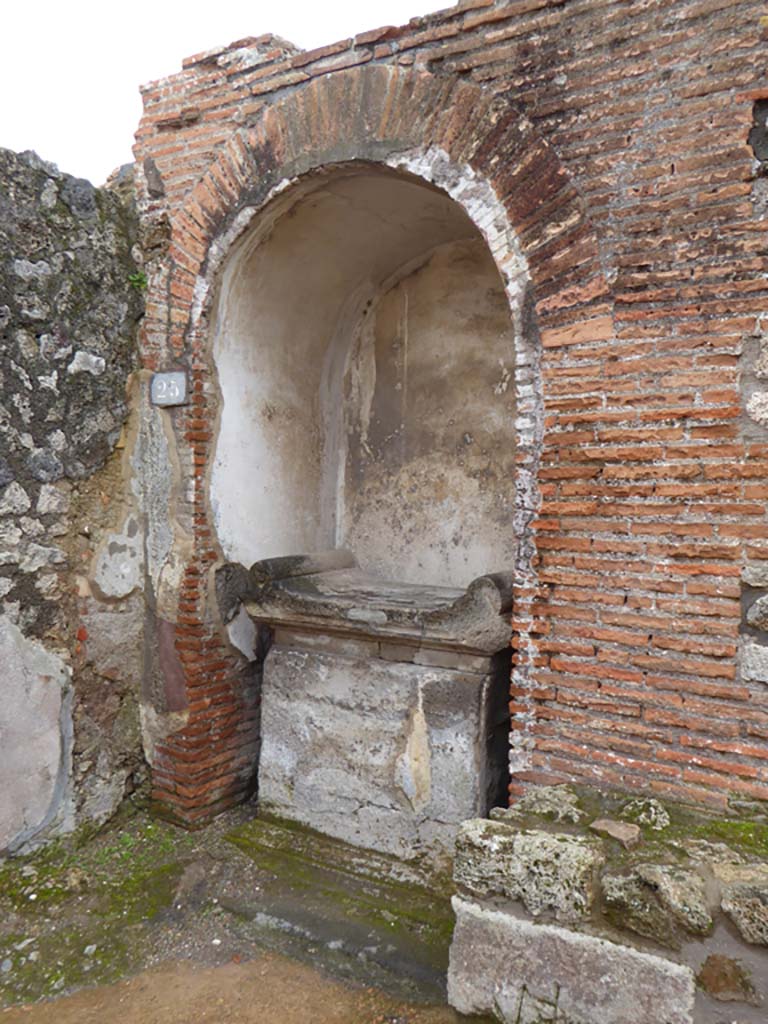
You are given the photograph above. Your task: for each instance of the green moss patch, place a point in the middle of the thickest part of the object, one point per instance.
(79, 911)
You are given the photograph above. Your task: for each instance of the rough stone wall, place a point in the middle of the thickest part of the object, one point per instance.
(650, 546)
(69, 306)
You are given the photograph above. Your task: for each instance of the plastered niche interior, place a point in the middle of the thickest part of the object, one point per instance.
(365, 346)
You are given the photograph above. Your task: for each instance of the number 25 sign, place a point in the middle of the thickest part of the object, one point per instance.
(168, 388)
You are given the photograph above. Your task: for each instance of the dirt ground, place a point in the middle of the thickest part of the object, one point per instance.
(267, 990)
(143, 923)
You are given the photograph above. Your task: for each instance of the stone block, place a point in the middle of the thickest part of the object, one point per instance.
(754, 664)
(113, 644)
(380, 754)
(451, 659)
(353, 647)
(548, 873)
(527, 973)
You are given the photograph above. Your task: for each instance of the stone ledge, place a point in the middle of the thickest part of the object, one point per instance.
(525, 973)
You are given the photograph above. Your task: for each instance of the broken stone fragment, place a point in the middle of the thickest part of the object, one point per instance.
(757, 615)
(726, 980)
(557, 803)
(547, 873)
(747, 906)
(682, 892)
(646, 811)
(627, 834)
(633, 904)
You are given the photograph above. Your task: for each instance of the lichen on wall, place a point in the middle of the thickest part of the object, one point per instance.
(70, 300)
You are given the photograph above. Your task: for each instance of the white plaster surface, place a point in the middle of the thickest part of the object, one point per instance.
(364, 347)
(35, 736)
(119, 564)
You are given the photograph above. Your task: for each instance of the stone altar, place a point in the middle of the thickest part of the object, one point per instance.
(384, 706)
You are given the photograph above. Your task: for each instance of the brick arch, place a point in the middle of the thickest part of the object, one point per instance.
(372, 113)
(463, 138)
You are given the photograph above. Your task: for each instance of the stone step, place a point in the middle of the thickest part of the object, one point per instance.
(358, 914)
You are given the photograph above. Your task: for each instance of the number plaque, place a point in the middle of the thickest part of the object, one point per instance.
(168, 388)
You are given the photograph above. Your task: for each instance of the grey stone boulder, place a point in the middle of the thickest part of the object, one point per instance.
(548, 873)
(754, 663)
(757, 615)
(525, 972)
(632, 904)
(14, 500)
(755, 575)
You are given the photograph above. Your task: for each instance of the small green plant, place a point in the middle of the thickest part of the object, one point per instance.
(138, 280)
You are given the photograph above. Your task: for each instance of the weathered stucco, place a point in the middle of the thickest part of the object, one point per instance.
(382, 746)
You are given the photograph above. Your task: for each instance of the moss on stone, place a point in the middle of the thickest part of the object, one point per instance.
(364, 887)
(77, 911)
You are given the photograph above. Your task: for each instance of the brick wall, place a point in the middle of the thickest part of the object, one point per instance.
(640, 211)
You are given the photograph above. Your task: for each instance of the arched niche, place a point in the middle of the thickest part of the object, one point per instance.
(364, 348)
